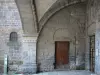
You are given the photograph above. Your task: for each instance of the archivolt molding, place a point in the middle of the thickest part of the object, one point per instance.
(57, 6)
(34, 13)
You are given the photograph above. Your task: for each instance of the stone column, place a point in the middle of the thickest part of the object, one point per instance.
(29, 54)
(97, 52)
(97, 44)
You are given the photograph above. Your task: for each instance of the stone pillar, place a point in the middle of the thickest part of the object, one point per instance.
(97, 44)
(97, 52)
(29, 54)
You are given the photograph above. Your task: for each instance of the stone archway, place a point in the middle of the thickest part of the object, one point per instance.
(60, 23)
(56, 7)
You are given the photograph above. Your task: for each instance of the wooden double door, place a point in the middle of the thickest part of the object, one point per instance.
(61, 53)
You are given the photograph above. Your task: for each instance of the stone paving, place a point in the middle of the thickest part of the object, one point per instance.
(66, 73)
(63, 73)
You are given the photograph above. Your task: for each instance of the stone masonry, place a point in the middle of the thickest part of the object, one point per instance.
(21, 51)
(66, 25)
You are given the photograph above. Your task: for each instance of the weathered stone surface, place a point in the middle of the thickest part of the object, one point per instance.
(28, 17)
(63, 26)
(29, 55)
(93, 28)
(21, 52)
(58, 5)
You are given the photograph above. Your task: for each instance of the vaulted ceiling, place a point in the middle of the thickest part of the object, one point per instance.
(35, 14)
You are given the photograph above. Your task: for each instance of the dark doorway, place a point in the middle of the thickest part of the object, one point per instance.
(92, 53)
(61, 53)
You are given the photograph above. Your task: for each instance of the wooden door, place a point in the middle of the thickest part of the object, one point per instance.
(92, 53)
(62, 52)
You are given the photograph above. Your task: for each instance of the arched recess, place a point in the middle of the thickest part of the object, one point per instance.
(69, 22)
(13, 36)
(56, 7)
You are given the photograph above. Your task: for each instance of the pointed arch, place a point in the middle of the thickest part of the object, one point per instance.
(56, 7)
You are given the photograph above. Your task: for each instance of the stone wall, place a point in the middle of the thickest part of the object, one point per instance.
(65, 25)
(17, 46)
(29, 54)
